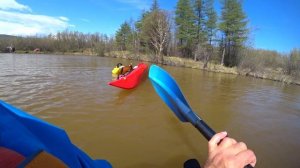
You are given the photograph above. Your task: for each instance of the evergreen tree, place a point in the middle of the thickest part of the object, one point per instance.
(234, 27)
(186, 29)
(200, 40)
(211, 21)
(154, 6)
(141, 35)
(210, 29)
(199, 10)
(124, 36)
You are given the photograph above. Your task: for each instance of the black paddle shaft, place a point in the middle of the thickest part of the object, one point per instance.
(205, 130)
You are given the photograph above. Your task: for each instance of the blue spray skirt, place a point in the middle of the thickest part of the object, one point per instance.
(27, 135)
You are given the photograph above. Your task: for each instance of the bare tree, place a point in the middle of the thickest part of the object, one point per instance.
(157, 27)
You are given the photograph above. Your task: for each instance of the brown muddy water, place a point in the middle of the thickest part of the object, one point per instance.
(134, 128)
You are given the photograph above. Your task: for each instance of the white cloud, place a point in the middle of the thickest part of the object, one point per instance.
(15, 23)
(140, 4)
(63, 18)
(13, 5)
(17, 19)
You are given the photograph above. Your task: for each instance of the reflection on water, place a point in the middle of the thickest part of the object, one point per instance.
(134, 128)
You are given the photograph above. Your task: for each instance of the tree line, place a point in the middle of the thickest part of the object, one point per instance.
(65, 41)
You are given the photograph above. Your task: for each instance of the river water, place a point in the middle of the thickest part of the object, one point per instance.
(134, 128)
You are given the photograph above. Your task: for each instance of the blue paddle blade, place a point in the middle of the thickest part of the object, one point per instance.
(168, 90)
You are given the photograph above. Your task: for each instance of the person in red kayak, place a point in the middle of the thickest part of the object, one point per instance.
(123, 70)
(225, 152)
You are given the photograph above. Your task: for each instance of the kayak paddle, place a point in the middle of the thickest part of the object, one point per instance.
(167, 88)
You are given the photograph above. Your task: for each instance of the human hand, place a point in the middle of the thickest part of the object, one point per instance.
(225, 152)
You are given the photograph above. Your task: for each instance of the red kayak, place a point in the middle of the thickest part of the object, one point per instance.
(132, 79)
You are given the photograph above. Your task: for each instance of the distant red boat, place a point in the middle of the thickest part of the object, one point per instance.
(131, 80)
